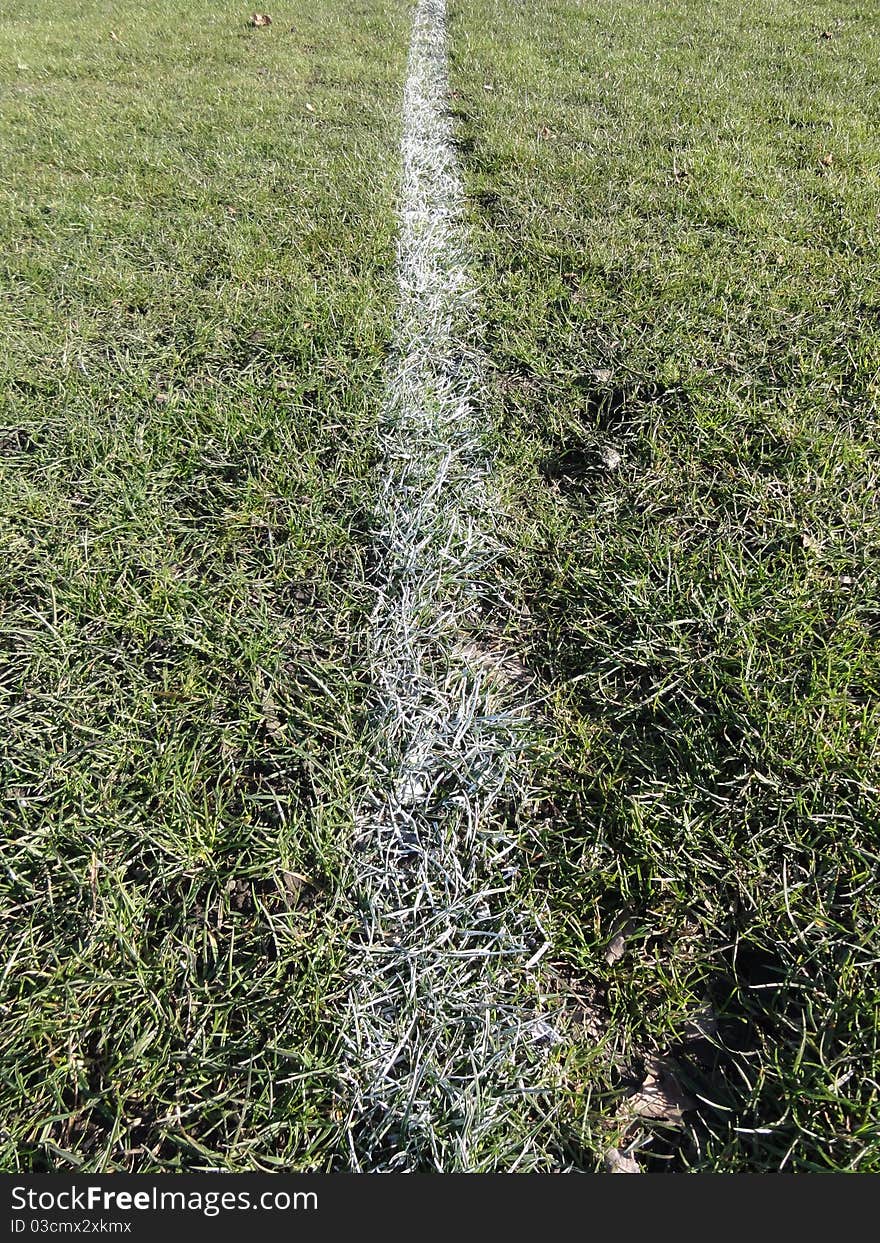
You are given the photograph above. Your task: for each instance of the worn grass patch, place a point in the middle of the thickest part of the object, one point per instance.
(197, 293)
(675, 215)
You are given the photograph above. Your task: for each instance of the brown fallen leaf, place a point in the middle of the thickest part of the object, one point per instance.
(617, 1162)
(270, 716)
(616, 949)
(545, 132)
(827, 159)
(260, 19)
(660, 1097)
(293, 885)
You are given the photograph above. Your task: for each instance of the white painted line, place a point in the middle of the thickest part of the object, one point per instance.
(442, 1054)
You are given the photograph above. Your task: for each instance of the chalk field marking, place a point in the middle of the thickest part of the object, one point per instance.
(442, 1055)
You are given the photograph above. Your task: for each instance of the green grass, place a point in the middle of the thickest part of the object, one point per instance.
(682, 312)
(680, 299)
(197, 242)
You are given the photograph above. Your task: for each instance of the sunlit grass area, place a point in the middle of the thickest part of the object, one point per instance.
(675, 215)
(197, 242)
(675, 235)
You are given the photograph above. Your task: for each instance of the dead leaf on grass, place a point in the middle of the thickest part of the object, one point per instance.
(260, 19)
(617, 1162)
(293, 886)
(661, 1097)
(628, 927)
(270, 716)
(616, 949)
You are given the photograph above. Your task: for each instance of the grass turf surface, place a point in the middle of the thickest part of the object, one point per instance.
(675, 219)
(197, 238)
(680, 298)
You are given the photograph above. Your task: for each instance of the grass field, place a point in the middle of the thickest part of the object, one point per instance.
(198, 290)
(675, 237)
(674, 209)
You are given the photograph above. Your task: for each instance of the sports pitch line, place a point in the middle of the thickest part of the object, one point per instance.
(438, 1035)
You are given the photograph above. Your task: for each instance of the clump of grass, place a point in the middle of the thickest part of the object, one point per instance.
(680, 297)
